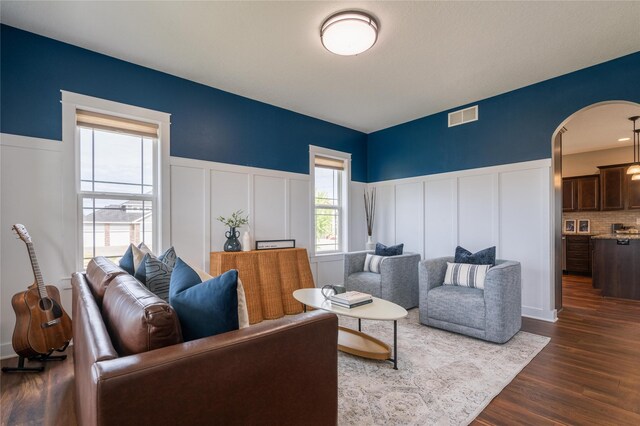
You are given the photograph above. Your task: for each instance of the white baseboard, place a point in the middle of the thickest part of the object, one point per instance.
(6, 351)
(540, 314)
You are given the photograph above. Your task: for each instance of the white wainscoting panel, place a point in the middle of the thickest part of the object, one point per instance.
(278, 204)
(229, 193)
(524, 222)
(506, 206)
(440, 216)
(328, 269)
(30, 194)
(476, 207)
(188, 216)
(410, 216)
(299, 212)
(384, 225)
(270, 209)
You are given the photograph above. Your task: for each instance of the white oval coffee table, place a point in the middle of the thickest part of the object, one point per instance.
(356, 342)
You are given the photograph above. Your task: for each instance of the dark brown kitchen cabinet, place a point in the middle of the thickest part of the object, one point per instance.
(616, 269)
(581, 193)
(588, 193)
(578, 254)
(633, 193)
(612, 185)
(569, 195)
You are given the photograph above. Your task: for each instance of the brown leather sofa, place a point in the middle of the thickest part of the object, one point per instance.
(131, 366)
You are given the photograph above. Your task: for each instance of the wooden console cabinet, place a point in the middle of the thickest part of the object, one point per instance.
(269, 278)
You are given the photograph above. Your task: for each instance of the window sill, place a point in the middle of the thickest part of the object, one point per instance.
(327, 257)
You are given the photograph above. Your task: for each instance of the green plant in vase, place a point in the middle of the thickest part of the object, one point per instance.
(236, 220)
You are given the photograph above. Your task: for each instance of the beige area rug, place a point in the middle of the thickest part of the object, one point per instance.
(442, 378)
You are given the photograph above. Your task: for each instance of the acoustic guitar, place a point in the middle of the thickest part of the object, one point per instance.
(42, 325)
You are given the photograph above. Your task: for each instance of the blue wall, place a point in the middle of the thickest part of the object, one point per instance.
(211, 124)
(512, 127)
(206, 123)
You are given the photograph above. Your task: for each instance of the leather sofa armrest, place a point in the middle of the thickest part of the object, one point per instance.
(284, 371)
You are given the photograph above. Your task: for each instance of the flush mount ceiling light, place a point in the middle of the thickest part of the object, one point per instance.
(349, 33)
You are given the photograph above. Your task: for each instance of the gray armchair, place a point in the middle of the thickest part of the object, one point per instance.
(493, 314)
(397, 281)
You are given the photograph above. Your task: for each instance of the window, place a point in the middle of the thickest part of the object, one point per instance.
(118, 191)
(330, 177)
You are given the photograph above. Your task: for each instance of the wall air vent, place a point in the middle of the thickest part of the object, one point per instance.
(463, 116)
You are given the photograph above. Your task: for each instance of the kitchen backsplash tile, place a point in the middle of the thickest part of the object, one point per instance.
(601, 221)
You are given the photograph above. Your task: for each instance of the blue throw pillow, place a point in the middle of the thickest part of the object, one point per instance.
(141, 272)
(204, 308)
(382, 250)
(483, 257)
(126, 262)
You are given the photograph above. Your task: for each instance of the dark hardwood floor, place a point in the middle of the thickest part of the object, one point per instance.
(45, 398)
(588, 374)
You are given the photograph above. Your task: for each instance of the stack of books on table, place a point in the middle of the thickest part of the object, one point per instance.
(350, 299)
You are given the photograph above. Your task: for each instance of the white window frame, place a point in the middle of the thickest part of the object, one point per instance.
(71, 175)
(345, 157)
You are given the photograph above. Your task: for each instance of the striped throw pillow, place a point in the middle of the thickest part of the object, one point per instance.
(466, 275)
(372, 263)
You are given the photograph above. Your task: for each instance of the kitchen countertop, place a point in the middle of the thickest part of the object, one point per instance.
(616, 237)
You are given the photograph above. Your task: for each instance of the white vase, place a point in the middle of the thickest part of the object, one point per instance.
(246, 241)
(370, 244)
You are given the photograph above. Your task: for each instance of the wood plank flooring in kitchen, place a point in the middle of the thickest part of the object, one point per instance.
(588, 374)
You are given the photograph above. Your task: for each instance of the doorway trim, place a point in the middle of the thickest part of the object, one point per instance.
(556, 199)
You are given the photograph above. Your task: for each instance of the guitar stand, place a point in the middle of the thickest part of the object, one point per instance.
(41, 358)
(21, 368)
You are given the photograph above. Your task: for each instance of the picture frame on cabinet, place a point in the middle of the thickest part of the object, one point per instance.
(584, 226)
(275, 244)
(569, 226)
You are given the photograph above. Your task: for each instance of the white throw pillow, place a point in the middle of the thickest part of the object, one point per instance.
(138, 254)
(372, 263)
(466, 275)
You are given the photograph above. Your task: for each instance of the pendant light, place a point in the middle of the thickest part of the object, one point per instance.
(636, 139)
(634, 169)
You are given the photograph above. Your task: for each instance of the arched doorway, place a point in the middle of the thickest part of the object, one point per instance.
(631, 108)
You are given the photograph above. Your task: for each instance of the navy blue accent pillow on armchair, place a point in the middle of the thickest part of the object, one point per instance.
(204, 308)
(382, 250)
(483, 257)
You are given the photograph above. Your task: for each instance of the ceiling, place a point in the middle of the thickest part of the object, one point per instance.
(430, 56)
(600, 128)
